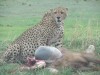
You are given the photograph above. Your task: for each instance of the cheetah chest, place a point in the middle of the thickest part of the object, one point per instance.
(57, 34)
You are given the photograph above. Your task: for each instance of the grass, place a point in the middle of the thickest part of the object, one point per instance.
(82, 27)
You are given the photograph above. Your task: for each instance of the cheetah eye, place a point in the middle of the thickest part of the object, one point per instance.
(62, 12)
(55, 12)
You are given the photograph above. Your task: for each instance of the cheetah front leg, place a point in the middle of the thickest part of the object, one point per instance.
(58, 43)
(12, 54)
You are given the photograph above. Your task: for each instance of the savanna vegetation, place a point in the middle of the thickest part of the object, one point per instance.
(82, 27)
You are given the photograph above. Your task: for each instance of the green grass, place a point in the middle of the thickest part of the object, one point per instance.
(82, 27)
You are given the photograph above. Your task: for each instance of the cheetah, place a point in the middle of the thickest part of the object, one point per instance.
(49, 32)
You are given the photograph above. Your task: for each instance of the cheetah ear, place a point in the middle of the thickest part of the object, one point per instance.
(67, 9)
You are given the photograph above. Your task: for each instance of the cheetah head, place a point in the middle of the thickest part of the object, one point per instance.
(59, 14)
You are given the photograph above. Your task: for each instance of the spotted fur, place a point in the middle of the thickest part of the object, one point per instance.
(48, 32)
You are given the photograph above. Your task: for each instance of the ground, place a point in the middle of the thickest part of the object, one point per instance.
(82, 26)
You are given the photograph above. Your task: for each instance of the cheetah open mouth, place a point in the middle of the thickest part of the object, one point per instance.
(58, 20)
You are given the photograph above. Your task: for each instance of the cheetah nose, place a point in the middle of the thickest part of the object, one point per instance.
(58, 17)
